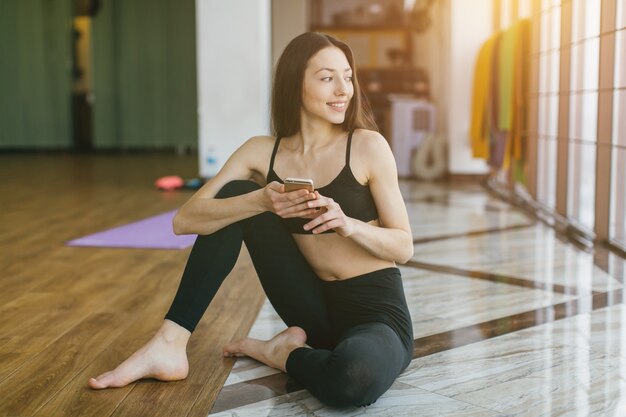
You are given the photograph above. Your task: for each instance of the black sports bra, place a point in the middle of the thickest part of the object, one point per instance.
(354, 198)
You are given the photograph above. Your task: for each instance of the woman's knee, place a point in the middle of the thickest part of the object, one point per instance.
(237, 187)
(356, 383)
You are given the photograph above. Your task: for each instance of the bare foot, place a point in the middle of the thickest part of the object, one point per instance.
(164, 357)
(273, 352)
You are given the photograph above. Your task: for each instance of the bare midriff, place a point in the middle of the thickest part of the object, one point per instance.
(334, 257)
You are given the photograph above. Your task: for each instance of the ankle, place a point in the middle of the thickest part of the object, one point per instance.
(173, 333)
(291, 347)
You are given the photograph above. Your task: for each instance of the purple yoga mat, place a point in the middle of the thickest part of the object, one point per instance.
(151, 233)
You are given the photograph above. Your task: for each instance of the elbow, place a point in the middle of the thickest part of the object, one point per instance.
(407, 253)
(406, 258)
(178, 224)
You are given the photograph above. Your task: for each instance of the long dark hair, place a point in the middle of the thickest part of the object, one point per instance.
(289, 78)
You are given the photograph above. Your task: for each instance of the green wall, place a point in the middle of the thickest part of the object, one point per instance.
(144, 60)
(144, 74)
(35, 84)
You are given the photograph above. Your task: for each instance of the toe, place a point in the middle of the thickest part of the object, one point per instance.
(105, 380)
(95, 383)
(231, 348)
(235, 349)
(230, 352)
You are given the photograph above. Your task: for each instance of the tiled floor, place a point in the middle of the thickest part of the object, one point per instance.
(520, 322)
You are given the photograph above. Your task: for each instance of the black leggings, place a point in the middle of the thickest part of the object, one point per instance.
(360, 329)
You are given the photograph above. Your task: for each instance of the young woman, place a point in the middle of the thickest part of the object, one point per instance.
(326, 259)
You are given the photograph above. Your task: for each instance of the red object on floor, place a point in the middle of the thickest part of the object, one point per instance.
(170, 182)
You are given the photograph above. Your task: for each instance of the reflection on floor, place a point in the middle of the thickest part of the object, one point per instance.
(508, 320)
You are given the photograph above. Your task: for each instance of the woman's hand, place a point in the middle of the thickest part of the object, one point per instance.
(287, 204)
(329, 217)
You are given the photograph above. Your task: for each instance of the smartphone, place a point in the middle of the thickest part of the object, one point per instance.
(292, 184)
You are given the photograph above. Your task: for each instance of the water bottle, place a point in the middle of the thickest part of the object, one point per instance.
(211, 161)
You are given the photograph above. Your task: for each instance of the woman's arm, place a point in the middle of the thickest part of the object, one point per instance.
(391, 241)
(204, 214)
(389, 244)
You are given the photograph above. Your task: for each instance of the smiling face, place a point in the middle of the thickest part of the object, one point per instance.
(327, 86)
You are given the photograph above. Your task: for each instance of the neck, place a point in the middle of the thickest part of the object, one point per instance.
(316, 134)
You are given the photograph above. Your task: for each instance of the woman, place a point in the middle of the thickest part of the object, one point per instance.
(326, 259)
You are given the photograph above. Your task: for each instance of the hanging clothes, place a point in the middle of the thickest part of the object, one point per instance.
(505, 91)
(521, 98)
(479, 130)
(506, 55)
(500, 99)
(498, 138)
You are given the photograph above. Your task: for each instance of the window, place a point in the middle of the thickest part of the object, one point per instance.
(617, 224)
(548, 102)
(583, 112)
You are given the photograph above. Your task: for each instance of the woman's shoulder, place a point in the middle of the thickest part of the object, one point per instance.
(260, 141)
(370, 150)
(258, 145)
(368, 142)
(255, 151)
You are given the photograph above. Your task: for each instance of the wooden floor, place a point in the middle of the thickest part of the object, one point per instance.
(71, 313)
